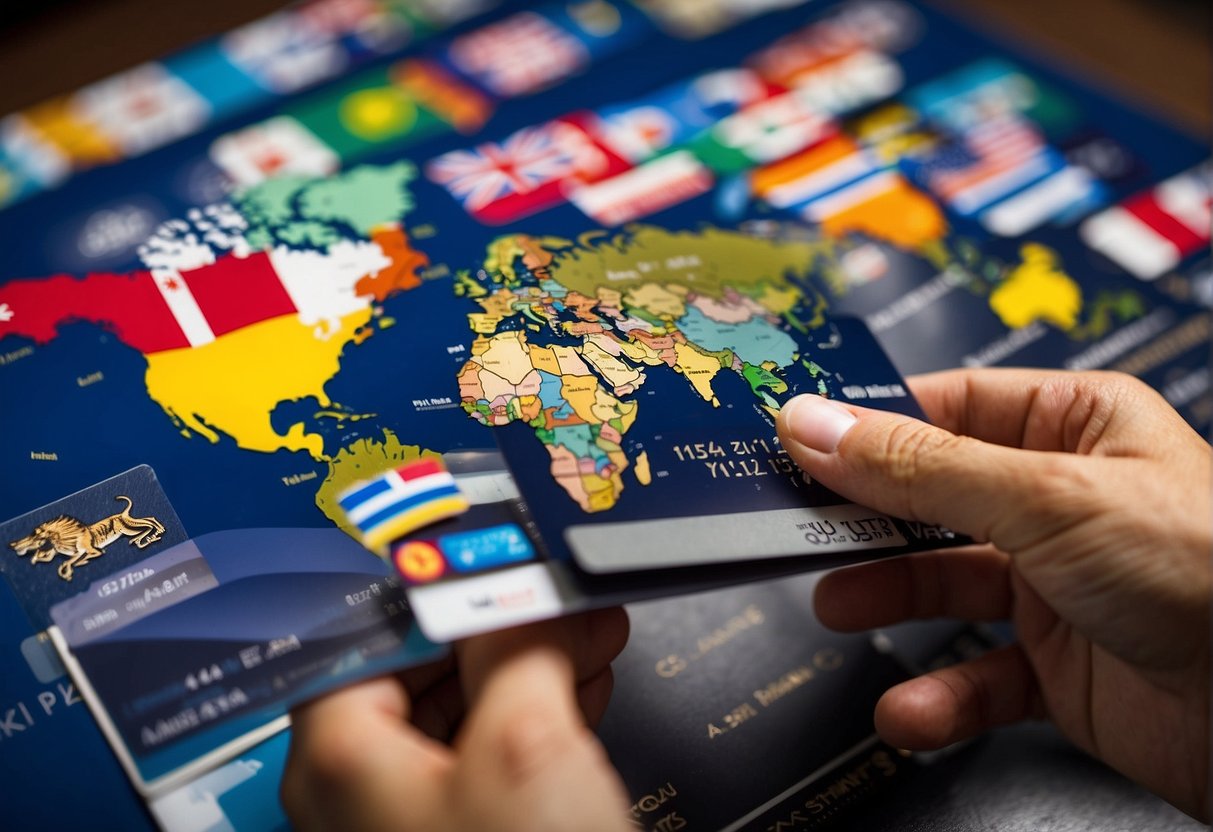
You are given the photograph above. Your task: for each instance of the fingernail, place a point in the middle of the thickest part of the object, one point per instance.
(816, 422)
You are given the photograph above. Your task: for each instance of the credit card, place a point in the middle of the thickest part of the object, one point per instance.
(712, 499)
(54, 552)
(198, 653)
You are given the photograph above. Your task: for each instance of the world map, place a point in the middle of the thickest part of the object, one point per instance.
(249, 308)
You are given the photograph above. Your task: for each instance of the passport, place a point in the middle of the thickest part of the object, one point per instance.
(737, 709)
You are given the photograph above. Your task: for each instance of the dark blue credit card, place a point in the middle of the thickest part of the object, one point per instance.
(197, 653)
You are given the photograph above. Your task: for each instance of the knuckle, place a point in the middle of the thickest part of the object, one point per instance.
(911, 448)
(1113, 384)
(1107, 392)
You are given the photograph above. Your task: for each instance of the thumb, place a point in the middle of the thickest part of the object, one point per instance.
(528, 759)
(910, 469)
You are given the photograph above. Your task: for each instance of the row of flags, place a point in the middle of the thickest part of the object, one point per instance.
(160, 102)
(981, 141)
(314, 41)
(632, 159)
(779, 123)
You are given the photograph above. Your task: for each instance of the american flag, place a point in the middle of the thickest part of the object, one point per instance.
(1003, 154)
(526, 161)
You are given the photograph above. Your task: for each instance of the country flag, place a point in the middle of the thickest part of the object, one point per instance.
(36, 159)
(286, 51)
(458, 104)
(142, 108)
(28, 163)
(997, 158)
(845, 188)
(764, 132)
(788, 59)
(275, 147)
(155, 310)
(654, 186)
(399, 502)
(1063, 196)
(648, 126)
(519, 55)
(1151, 232)
(528, 172)
(851, 83)
(59, 123)
(824, 180)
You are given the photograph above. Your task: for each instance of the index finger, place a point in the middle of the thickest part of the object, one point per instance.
(1039, 410)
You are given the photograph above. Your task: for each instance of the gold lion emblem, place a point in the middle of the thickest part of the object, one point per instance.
(81, 543)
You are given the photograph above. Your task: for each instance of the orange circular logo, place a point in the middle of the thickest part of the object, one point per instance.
(420, 562)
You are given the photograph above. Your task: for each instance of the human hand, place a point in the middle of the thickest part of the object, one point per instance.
(1097, 500)
(372, 756)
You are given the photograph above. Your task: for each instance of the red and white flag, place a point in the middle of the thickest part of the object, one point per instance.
(275, 147)
(229, 294)
(653, 186)
(143, 108)
(1153, 231)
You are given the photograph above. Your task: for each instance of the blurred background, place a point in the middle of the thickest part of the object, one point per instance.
(1157, 52)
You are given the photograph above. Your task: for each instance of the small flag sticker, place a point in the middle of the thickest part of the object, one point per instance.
(402, 501)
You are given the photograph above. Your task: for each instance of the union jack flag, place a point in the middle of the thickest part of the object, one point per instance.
(498, 183)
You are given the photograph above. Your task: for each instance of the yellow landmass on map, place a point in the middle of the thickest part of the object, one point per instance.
(902, 215)
(641, 469)
(362, 460)
(234, 383)
(699, 370)
(497, 307)
(622, 377)
(778, 300)
(581, 392)
(664, 302)
(1037, 290)
(506, 355)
